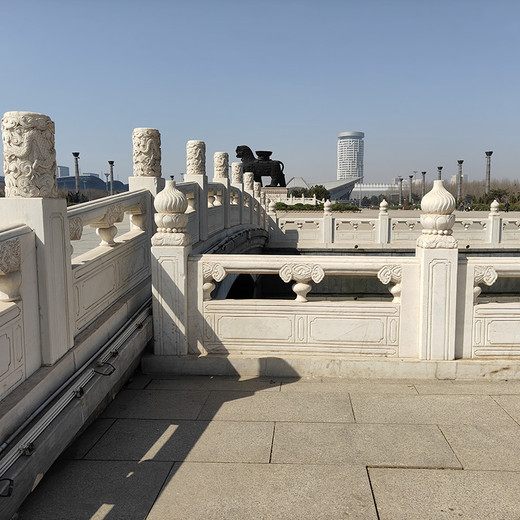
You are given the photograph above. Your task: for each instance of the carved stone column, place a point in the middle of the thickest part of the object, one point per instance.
(170, 250)
(31, 198)
(220, 166)
(196, 158)
(29, 155)
(249, 179)
(437, 251)
(237, 174)
(147, 160)
(196, 172)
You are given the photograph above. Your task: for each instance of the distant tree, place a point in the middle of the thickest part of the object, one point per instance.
(320, 191)
(298, 192)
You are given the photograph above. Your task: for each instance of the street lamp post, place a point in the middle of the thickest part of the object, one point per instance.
(459, 181)
(111, 163)
(439, 172)
(107, 175)
(76, 170)
(423, 185)
(410, 194)
(488, 171)
(400, 190)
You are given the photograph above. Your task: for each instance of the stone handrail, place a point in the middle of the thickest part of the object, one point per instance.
(301, 269)
(104, 213)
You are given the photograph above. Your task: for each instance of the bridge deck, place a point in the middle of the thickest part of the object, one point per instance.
(214, 447)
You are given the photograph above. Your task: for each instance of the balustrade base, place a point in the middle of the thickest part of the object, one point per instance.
(329, 366)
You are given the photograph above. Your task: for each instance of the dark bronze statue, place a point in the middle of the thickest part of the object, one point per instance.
(262, 167)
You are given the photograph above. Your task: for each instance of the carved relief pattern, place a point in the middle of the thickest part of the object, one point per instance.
(10, 256)
(221, 165)
(211, 271)
(195, 158)
(75, 228)
(236, 172)
(302, 273)
(392, 274)
(485, 274)
(114, 214)
(29, 155)
(146, 152)
(249, 181)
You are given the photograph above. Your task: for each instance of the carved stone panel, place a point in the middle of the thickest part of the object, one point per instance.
(29, 155)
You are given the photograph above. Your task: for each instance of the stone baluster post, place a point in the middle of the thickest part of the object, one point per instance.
(494, 231)
(196, 172)
(237, 181)
(249, 189)
(328, 223)
(437, 252)
(32, 198)
(383, 231)
(146, 155)
(221, 175)
(257, 190)
(171, 246)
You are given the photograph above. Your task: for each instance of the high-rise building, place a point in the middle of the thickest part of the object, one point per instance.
(350, 155)
(62, 171)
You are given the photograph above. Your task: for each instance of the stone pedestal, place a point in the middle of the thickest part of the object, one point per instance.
(170, 250)
(48, 219)
(437, 252)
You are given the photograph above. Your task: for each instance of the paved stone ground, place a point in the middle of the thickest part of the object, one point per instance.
(224, 448)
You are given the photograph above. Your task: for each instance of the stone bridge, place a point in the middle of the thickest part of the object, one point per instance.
(74, 327)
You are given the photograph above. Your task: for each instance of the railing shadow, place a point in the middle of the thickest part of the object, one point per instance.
(172, 443)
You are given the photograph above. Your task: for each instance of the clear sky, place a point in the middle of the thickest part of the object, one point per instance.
(429, 82)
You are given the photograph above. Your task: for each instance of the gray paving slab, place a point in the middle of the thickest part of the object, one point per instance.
(470, 388)
(368, 444)
(265, 491)
(412, 494)
(277, 406)
(86, 490)
(217, 383)
(138, 381)
(511, 404)
(201, 441)
(429, 409)
(156, 404)
(349, 386)
(81, 446)
(485, 447)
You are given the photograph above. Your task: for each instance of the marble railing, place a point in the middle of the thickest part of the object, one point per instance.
(20, 354)
(267, 327)
(337, 231)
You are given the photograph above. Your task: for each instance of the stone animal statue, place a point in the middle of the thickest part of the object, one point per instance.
(262, 166)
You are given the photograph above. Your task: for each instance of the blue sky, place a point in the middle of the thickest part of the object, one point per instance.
(429, 82)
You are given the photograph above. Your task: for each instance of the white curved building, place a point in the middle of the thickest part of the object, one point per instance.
(350, 155)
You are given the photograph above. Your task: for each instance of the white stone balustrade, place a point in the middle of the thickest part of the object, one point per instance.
(20, 350)
(104, 213)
